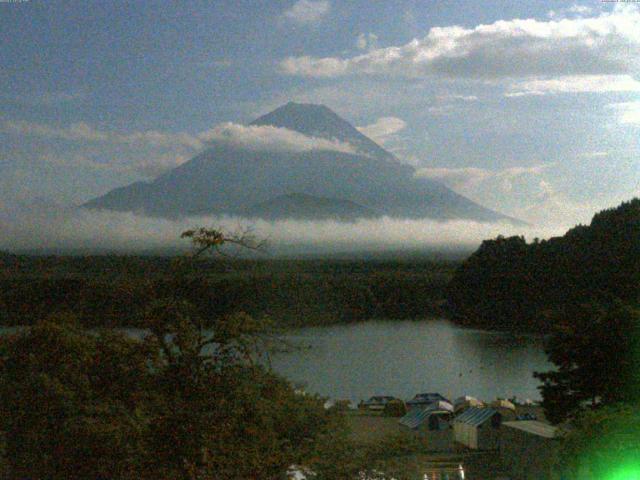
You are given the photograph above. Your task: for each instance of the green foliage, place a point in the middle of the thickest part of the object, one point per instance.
(596, 351)
(603, 445)
(71, 402)
(395, 408)
(78, 404)
(510, 284)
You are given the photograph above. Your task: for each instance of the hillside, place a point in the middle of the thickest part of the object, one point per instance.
(508, 283)
(298, 206)
(229, 178)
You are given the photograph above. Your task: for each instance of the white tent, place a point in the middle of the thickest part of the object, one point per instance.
(441, 405)
(478, 428)
(462, 403)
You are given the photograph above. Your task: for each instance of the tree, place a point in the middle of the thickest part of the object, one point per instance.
(596, 350)
(221, 414)
(207, 240)
(602, 445)
(185, 402)
(509, 284)
(73, 402)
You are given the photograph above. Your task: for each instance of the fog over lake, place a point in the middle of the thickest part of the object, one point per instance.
(402, 358)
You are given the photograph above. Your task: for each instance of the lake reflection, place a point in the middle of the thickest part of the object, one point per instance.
(402, 358)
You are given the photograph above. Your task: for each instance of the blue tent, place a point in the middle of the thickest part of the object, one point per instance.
(435, 419)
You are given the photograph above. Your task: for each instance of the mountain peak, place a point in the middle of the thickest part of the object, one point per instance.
(292, 108)
(316, 120)
(316, 183)
(303, 116)
(310, 106)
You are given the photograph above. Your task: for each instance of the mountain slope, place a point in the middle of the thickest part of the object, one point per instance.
(228, 178)
(299, 206)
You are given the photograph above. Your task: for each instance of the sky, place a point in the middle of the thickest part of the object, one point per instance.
(528, 108)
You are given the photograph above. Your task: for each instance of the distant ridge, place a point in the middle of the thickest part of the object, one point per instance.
(312, 184)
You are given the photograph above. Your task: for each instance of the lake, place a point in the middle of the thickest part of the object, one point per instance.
(402, 358)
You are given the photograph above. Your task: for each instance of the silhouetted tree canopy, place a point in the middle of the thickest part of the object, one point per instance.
(510, 284)
(596, 352)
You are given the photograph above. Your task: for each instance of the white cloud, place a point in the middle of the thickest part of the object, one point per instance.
(594, 154)
(151, 168)
(456, 96)
(266, 137)
(72, 160)
(152, 151)
(314, 67)
(532, 193)
(523, 93)
(306, 12)
(367, 41)
(263, 137)
(575, 84)
(580, 9)
(628, 112)
(456, 178)
(117, 231)
(470, 178)
(549, 206)
(383, 129)
(155, 152)
(154, 138)
(82, 131)
(74, 132)
(607, 44)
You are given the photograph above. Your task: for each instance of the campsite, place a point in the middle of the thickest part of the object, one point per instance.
(466, 435)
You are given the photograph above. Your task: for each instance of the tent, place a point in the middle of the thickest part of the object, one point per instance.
(431, 426)
(478, 428)
(463, 403)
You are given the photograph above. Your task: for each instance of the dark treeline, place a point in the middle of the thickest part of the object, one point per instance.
(114, 290)
(510, 284)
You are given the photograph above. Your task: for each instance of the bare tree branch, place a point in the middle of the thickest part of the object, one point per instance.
(204, 240)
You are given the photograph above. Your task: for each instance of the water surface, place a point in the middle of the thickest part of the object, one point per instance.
(402, 358)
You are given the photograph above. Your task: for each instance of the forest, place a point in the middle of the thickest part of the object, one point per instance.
(507, 284)
(112, 290)
(514, 285)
